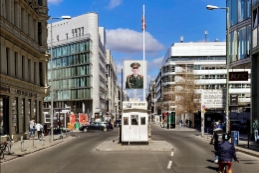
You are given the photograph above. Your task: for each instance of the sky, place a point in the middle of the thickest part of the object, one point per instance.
(166, 21)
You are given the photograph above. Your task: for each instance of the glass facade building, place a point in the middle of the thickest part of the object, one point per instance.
(71, 71)
(240, 30)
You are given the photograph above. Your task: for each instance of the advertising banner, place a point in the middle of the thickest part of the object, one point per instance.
(238, 76)
(233, 100)
(135, 74)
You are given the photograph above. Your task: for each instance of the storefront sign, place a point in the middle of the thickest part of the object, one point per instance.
(20, 92)
(5, 89)
(233, 100)
(238, 76)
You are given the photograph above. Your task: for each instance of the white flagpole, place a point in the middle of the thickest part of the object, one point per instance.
(144, 79)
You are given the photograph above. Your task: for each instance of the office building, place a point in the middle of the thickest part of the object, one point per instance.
(206, 62)
(79, 67)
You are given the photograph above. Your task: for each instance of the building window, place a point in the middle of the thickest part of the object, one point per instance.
(4, 112)
(41, 74)
(233, 46)
(233, 12)
(35, 73)
(35, 110)
(29, 70)
(248, 40)
(17, 115)
(242, 43)
(23, 68)
(7, 60)
(57, 37)
(241, 10)
(23, 115)
(255, 18)
(29, 110)
(15, 63)
(40, 33)
(40, 2)
(248, 9)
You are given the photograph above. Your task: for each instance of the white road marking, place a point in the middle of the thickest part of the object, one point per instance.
(169, 164)
(172, 153)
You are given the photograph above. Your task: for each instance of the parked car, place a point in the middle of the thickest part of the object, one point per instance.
(117, 123)
(104, 126)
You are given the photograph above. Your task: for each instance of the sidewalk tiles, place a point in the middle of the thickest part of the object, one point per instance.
(29, 148)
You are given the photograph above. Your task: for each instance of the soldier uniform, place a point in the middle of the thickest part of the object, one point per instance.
(133, 82)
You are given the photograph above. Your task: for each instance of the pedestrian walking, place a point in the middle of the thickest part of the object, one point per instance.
(219, 125)
(180, 122)
(186, 123)
(190, 123)
(32, 127)
(256, 127)
(39, 128)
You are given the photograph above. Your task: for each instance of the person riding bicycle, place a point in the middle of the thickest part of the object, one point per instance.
(217, 136)
(226, 152)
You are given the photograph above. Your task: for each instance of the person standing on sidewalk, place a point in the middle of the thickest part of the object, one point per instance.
(32, 128)
(180, 122)
(256, 127)
(186, 123)
(39, 127)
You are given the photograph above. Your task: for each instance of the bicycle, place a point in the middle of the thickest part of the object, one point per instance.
(225, 167)
(6, 147)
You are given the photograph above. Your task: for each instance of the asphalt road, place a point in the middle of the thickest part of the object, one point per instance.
(79, 155)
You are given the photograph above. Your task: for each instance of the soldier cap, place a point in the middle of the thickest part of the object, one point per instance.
(135, 65)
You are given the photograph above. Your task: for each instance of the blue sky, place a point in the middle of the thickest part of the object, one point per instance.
(166, 21)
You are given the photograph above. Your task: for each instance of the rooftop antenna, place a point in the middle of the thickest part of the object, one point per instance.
(181, 39)
(206, 33)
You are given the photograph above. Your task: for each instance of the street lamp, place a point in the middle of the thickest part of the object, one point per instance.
(51, 44)
(211, 7)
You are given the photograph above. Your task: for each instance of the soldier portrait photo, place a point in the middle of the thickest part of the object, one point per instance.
(135, 80)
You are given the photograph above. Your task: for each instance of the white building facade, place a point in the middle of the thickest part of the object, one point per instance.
(207, 62)
(23, 71)
(79, 66)
(111, 86)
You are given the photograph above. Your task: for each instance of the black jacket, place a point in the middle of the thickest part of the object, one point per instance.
(226, 152)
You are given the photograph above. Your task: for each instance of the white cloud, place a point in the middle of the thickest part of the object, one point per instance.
(114, 3)
(55, 1)
(130, 41)
(155, 63)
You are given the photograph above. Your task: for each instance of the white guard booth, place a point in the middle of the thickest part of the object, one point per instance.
(134, 122)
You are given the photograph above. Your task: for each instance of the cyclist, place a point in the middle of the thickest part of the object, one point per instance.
(226, 152)
(217, 136)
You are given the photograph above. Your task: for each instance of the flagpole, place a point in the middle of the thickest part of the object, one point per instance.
(144, 54)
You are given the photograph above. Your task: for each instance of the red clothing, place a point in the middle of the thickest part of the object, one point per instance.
(229, 166)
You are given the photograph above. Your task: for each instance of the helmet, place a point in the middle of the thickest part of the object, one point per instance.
(225, 137)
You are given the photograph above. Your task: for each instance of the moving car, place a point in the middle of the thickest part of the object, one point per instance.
(104, 126)
(117, 123)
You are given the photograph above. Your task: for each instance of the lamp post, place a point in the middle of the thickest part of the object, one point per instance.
(210, 7)
(51, 44)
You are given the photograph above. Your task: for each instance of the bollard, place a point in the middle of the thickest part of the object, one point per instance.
(22, 143)
(49, 137)
(33, 141)
(42, 139)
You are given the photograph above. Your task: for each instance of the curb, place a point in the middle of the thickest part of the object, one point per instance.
(239, 149)
(16, 156)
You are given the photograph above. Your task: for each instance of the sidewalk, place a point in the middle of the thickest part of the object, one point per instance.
(29, 148)
(242, 145)
(177, 128)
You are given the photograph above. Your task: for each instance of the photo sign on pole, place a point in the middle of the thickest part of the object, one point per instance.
(135, 74)
(211, 99)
